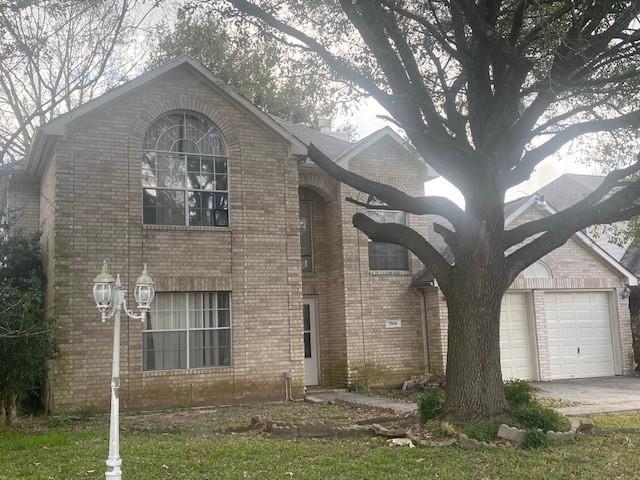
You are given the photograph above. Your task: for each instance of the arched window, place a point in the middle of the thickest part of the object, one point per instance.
(537, 270)
(185, 176)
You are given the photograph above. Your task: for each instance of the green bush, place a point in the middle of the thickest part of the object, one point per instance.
(430, 403)
(482, 431)
(518, 392)
(536, 438)
(533, 415)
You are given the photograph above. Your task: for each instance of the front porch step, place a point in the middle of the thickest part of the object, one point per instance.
(319, 389)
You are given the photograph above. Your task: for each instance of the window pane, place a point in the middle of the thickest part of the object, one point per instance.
(221, 166)
(221, 218)
(307, 345)
(164, 350)
(149, 169)
(170, 207)
(387, 256)
(209, 348)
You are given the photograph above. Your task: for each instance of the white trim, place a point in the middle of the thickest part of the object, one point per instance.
(57, 127)
(583, 237)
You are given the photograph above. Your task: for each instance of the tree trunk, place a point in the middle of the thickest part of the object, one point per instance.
(634, 310)
(12, 418)
(474, 377)
(3, 413)
(474, 297)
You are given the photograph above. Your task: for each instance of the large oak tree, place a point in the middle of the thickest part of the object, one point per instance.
(485, 90)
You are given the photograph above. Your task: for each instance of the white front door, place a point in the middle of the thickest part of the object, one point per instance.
(579, 332)
(515, 340)
(310, 341)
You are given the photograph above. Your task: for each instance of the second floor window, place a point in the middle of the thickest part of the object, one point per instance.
(185, 172)
(387, 256)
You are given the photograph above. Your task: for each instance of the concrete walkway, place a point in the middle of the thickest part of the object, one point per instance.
(398, 407)
(594, 395)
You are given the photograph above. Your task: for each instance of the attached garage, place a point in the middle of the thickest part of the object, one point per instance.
(515, 337)
(579, 334)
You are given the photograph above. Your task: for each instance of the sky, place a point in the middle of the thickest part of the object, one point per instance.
(366, 121)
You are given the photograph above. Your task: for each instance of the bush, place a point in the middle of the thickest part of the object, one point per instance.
(518, 392)
(536, 438)
(533, 415)
(482, 431)
(430, 403)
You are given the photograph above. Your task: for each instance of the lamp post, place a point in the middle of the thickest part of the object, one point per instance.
(111, 299)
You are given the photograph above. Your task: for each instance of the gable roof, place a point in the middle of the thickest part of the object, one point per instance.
(57, 127)
(330, 145)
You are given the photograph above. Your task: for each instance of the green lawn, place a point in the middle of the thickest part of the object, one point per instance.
(153, 449)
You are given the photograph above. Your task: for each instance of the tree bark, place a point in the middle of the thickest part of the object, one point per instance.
(3, 413)
(12, 415)
(474, 378)
(474, 298)
(634, 310)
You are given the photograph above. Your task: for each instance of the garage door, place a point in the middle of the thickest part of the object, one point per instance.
(515, 339)
(579, 331)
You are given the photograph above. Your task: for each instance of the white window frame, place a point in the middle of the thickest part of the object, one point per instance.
(188, 329)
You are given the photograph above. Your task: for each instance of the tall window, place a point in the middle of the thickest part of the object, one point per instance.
(185, 174)
(306, 236)
(387, 256)
(188, 330)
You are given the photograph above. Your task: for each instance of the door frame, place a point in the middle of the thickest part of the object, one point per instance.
(312, 301)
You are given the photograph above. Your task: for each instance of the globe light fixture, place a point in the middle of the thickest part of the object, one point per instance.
(144, 291)
(104, 290)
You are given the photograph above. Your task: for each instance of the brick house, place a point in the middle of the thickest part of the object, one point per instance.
(257, 266)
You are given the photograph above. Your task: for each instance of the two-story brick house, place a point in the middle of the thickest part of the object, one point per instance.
(176, 170)
(258, 268)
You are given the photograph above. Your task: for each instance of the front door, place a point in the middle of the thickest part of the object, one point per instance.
(310, 341)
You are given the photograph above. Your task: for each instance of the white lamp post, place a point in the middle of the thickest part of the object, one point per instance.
(111, 299)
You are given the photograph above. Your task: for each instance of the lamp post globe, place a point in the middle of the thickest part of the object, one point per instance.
(144, 291)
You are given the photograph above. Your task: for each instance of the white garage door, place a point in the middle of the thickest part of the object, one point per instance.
(515, 339)
(579, 331)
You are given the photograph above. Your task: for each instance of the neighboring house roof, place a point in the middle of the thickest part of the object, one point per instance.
(57, 127)
(558, 195)
(631, 259)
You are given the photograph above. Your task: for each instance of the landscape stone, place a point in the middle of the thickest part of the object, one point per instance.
(400, 442)
(512, 434)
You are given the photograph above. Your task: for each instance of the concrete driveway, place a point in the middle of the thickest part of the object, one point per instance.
(588, 396)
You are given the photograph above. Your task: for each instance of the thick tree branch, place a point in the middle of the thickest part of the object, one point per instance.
(391, 196)
(582, 213)
(407, 237)
(531, 159)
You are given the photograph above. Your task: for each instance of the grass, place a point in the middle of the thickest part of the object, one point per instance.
(76, 450)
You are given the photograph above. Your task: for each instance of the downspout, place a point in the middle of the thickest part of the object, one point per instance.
(425, 339)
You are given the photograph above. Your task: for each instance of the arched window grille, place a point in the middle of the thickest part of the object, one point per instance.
(185, 175)
(537, 270)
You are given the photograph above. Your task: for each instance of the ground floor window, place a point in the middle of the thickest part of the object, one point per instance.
(188, 330)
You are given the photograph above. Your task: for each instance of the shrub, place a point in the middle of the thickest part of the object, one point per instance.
(444, 430)
(518, 392)
(482, 431)
(536, 438)
(430, 403)
(533, 415)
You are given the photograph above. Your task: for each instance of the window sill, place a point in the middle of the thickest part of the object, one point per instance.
(390, 273)
(187, 228)
(192, 371)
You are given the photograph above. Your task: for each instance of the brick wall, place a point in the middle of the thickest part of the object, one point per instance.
(386, 355)
(99, 216)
